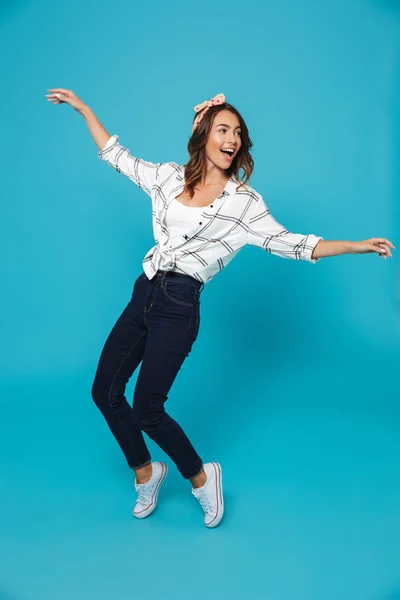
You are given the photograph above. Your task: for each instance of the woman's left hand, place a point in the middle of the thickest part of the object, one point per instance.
(380, 245)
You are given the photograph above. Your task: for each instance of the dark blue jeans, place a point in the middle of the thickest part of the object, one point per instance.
(158, 328)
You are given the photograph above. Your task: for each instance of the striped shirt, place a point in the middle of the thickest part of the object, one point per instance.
(235, 218)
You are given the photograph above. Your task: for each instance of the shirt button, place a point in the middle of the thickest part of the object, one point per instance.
(200, 223)
(211, 206)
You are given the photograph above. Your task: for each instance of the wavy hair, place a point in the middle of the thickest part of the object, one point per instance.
(195, 168)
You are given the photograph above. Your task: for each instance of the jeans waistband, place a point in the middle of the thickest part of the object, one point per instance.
(173, 274)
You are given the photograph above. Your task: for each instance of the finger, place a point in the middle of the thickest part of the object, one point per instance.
(385, 253)
(61, 98)
(383, 241)
(378, 249)
(386, 250)
(59, 90)
(388, 243)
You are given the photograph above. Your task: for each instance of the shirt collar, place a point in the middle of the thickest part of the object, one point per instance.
(231, 185)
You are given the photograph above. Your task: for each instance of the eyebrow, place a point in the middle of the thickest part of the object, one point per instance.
(228, 126)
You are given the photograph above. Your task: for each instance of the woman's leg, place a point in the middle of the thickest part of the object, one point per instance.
(172, 329)
(161, 364)
(122, 353)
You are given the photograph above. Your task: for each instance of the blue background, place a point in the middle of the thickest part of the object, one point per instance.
(293, 382)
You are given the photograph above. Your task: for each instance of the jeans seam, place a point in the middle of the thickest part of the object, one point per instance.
(195, 319)
(145, 303)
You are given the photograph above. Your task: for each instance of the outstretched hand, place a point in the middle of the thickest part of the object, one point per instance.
(62, 96)
(380, 245)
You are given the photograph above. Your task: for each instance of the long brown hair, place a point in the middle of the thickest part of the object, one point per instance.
(196, 166)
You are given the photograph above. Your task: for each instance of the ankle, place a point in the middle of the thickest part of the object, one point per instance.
(199, 479)
(143, 475)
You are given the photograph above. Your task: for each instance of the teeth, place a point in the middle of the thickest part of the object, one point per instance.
(228, 150)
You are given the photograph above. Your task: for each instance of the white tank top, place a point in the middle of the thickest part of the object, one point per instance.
(179, 219)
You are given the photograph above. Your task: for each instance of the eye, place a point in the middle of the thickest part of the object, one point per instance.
(239, 133)
(222, 129)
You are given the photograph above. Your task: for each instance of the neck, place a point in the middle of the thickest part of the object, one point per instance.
(214, 175)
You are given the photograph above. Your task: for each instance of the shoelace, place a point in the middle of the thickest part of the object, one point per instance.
(204, 501)
(144, 494)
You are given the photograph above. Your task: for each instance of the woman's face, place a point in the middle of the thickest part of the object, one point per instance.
(224, 140)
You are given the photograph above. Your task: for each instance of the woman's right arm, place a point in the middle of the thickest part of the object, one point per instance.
(99, 134)
(62, 96)
(142, 173)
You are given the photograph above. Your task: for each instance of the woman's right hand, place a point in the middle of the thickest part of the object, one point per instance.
(97, 131)
(61, 96)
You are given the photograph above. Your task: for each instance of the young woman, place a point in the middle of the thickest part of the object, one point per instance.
(203, 214)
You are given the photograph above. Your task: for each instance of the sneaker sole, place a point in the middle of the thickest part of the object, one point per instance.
(220, 498)
(150, 509)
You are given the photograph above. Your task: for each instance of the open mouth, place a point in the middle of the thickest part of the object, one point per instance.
(228, 153)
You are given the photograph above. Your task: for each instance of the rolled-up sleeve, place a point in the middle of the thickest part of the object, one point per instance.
(265, 232)
(143, 173)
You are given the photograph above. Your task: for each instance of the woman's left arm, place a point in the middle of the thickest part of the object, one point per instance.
(325, 248)
(267, 233)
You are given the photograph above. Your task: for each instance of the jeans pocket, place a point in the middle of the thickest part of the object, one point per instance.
(181, 293)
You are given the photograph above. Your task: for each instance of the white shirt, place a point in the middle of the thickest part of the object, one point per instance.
(238, 216)
(178, 219)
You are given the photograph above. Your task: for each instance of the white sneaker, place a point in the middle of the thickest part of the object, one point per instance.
(210, 495)
(148, 492)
